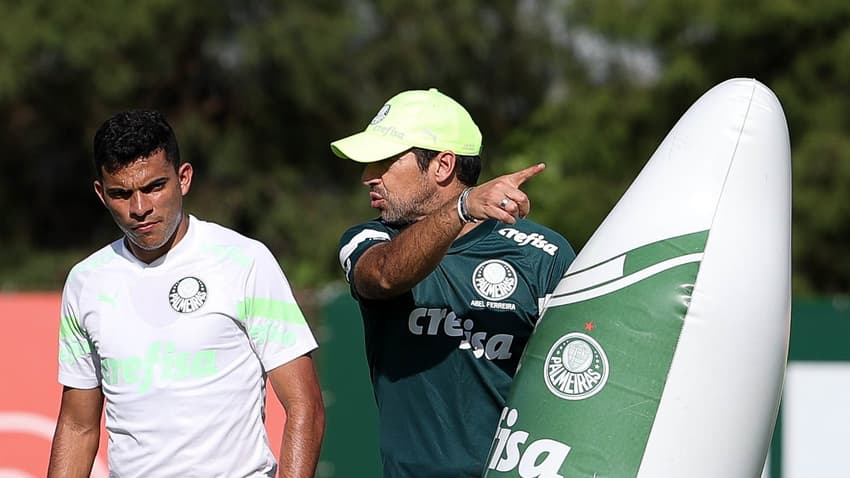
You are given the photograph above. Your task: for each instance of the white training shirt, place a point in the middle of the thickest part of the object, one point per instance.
(180, 347)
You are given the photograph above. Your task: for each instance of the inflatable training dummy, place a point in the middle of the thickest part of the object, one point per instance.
(662, 352)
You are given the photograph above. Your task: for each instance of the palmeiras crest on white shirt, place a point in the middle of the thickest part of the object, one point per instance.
(187, 295)
(494, 279)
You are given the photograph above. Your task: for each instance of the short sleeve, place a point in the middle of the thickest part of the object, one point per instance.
(356, 241)
(79, 363)
(273, 320)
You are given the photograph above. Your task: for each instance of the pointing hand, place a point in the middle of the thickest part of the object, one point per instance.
(501, 198)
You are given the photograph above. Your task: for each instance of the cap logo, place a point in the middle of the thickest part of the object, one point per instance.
(381, 114)
(430, 134)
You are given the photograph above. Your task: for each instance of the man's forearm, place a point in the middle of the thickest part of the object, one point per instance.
(73, 451)
(302, 441)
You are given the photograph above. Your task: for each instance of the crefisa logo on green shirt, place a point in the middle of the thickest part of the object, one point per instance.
(576, 367)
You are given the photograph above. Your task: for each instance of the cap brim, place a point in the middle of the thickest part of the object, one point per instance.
(367, 147)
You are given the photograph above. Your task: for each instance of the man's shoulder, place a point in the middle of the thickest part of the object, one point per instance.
(214, 230)
(100, 259)
(356, 239)
(525, 232)
(374, 229)
(216, 235)
(101, 265)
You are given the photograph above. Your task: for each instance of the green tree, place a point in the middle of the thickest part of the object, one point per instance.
(646, 62)
(257, 89)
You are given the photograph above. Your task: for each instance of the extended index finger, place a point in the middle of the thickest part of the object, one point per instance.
(524, 175)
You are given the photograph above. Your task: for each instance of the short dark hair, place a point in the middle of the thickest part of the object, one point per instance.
(468, 167)
(130, 135)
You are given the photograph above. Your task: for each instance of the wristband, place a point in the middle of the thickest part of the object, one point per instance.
(462, 210)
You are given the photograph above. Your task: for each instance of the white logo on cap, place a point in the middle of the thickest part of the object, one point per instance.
(381, 114)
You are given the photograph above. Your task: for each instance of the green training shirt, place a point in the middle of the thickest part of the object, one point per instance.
(443, 355)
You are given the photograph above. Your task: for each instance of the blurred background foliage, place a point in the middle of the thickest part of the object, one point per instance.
(256, 89)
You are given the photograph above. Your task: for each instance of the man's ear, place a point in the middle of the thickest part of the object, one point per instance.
(98, 189)
(445, 163)
(184, 175)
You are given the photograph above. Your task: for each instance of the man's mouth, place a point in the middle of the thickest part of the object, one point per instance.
(375, 199)
(144, 227)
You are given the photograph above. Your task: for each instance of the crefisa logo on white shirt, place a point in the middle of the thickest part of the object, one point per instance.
(187, 295)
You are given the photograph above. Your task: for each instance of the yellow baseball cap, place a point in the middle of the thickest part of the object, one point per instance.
(417, 118)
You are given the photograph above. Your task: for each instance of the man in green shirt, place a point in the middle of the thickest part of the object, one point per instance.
(450, 281)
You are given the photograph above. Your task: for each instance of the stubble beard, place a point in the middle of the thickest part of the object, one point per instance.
(401, 212)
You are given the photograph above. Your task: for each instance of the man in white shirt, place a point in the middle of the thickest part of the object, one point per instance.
(177, 325)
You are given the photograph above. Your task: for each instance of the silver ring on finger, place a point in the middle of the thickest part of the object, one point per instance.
(504, 202)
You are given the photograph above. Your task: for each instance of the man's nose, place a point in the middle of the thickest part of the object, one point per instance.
(371, 173)
(140, 205)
